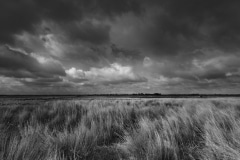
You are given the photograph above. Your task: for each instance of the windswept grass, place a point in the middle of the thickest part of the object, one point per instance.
(122, 130)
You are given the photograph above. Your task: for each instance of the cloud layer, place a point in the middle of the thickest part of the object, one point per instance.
(120, 46)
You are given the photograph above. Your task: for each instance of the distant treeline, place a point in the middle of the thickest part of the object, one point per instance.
(166, 95)
(135, 95)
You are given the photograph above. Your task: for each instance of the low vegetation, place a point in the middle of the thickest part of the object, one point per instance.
(160, 129)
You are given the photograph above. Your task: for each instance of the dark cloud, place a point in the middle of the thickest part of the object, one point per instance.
(125, 81)
(14, 63)
(182, 26)
(17, 16)
(175, 25)
(88, 31)
(128, 56)
(85, 56)
(111, 8)
(208, 66)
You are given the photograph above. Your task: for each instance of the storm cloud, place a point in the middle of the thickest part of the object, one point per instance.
(186, 25)
(14, 63)
(122, 46)
(24, 15)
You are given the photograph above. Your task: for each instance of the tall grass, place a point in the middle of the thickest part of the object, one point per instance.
(121, 130)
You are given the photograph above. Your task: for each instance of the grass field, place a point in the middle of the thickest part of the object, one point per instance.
(127, 129)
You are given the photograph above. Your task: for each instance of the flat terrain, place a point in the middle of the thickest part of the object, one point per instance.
(70, 128)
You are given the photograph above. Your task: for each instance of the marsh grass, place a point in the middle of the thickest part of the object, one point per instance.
(121, 130)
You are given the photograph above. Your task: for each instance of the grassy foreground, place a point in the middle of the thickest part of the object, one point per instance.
(122, 129)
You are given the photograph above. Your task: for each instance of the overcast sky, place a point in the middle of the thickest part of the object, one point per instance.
(119, 46)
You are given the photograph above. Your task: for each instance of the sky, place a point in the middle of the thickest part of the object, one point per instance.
(119, 46)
